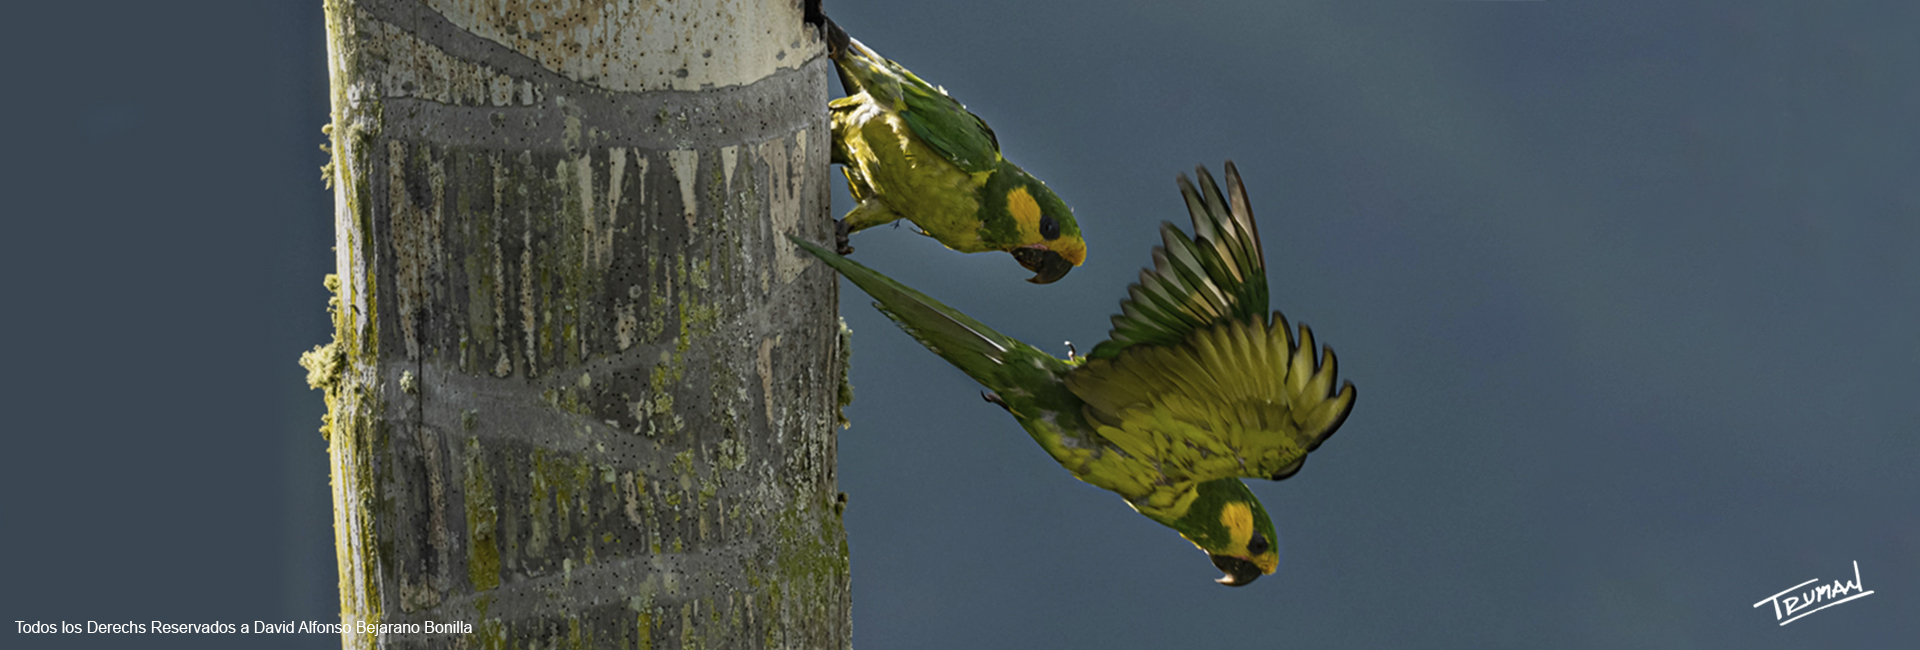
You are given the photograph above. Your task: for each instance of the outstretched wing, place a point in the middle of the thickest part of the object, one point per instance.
(1241, 399)
(1217, 276)
(1196, 378)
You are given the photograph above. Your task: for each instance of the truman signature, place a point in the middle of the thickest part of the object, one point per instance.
(1792, 608)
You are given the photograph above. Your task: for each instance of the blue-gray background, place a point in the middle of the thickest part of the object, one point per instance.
(1629, 293)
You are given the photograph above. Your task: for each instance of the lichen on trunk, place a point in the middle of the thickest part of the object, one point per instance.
(603, 413)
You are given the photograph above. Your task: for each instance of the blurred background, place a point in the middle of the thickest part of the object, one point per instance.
(1629, 293)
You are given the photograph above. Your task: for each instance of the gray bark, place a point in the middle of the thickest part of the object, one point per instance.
(582, 391)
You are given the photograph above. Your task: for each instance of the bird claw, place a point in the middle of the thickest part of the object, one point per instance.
(994, 398)
(840, 233)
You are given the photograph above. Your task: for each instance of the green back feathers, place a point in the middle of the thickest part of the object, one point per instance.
(948, 128)
(940, 121)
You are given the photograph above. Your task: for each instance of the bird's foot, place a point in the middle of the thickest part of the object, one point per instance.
(840, 233)
(994, 398)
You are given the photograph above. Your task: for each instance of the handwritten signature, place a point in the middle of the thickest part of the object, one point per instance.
(1793, 608)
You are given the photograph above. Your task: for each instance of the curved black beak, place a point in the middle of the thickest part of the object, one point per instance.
(1047, 265)
(1240, 573)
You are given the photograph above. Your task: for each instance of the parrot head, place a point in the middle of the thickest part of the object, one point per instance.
(1021, 216)
(1229, 524)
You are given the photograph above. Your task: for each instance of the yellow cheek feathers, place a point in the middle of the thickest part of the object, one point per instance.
(1238, 518)
(1026, 213)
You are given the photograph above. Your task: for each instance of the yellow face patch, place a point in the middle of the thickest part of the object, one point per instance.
(1026, 212)
(1238, 518)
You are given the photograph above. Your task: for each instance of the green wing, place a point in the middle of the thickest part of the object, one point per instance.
(1217, 276)
(937, 119)
(947, 127)
(1195, 377)
(1237, 400)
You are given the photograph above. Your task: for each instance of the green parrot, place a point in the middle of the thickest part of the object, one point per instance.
(911, 151)
(1196, 387)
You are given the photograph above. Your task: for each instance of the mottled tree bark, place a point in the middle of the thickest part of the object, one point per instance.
(582, 391)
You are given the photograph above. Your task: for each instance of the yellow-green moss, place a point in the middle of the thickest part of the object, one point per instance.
(483, 551)
(353, 419)
(326, 363)
(493, 634)
(326, 170)
(539, 504)
(656, 321)
(845, 394)
(683, 464)
(731, 455)
(560, 487)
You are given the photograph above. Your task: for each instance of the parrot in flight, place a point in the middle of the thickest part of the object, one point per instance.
(1196, 388)
(911, 151)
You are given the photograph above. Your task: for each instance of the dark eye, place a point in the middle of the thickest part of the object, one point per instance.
(1257, 544)
(1049, 228)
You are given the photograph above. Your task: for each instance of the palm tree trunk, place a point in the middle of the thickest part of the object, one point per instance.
(582, 391)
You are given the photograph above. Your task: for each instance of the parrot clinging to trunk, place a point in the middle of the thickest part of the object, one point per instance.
(910, 151)
(1196, 388)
